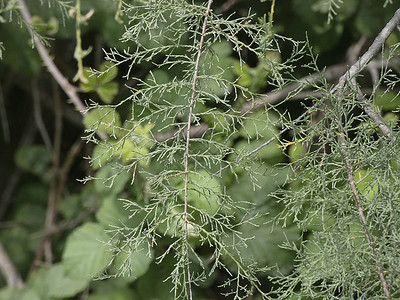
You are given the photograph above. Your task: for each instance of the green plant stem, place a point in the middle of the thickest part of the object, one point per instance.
(189, 123)
(271, 14)
(78, 50)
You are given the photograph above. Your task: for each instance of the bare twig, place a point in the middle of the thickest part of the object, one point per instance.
(8, 269)
(65, 225)
(377, 118)
(362, 62)
(55, 72)
(375, 47)
(54, 197)
(274, 97)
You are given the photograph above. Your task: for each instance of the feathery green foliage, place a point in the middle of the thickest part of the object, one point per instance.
(190, 100)
(202, 182)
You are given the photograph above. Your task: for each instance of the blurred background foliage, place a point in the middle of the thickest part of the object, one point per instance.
(42, 154)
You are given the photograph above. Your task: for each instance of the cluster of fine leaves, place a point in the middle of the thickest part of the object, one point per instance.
(175, 131)
(350, 244)
(201, 188)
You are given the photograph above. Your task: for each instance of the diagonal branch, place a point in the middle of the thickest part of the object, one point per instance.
(375, 47)
(69, 89)
(362, 62)
(189, 123)
(8, 269)
(360, 210)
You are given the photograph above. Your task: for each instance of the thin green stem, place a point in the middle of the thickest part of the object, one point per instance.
(187, 153)
(78, 50)
(271, 14)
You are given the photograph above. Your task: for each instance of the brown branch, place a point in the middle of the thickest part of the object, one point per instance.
(273, 97)
(65, 225)
(375, 47)
(55, 194)
(8, 269)
(362, 62)
(69, 89)
(377, 118)
(37, 112)
(54, 71)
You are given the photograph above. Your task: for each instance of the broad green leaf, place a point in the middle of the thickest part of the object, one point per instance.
(263, 247)
(112, 212)
(111, 181)
(35, 159)
(270, 153)
(19, 246)
(107, 91)
(387, 100)
(152, 285)
(157, 76)
(85, 253)
(132, 264)
(91, 81)
(102, 119)
(45, 28)
(367, 183)
(101, 84)
(9, 293)
(203, 191)
(37, 281)
(101, 155)
(259, 125)
(109, 70)
(217, 62)
(319, 223)
(62, 286)
(391, 119)
(31, 215)
(117, 293)
(296, 151)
